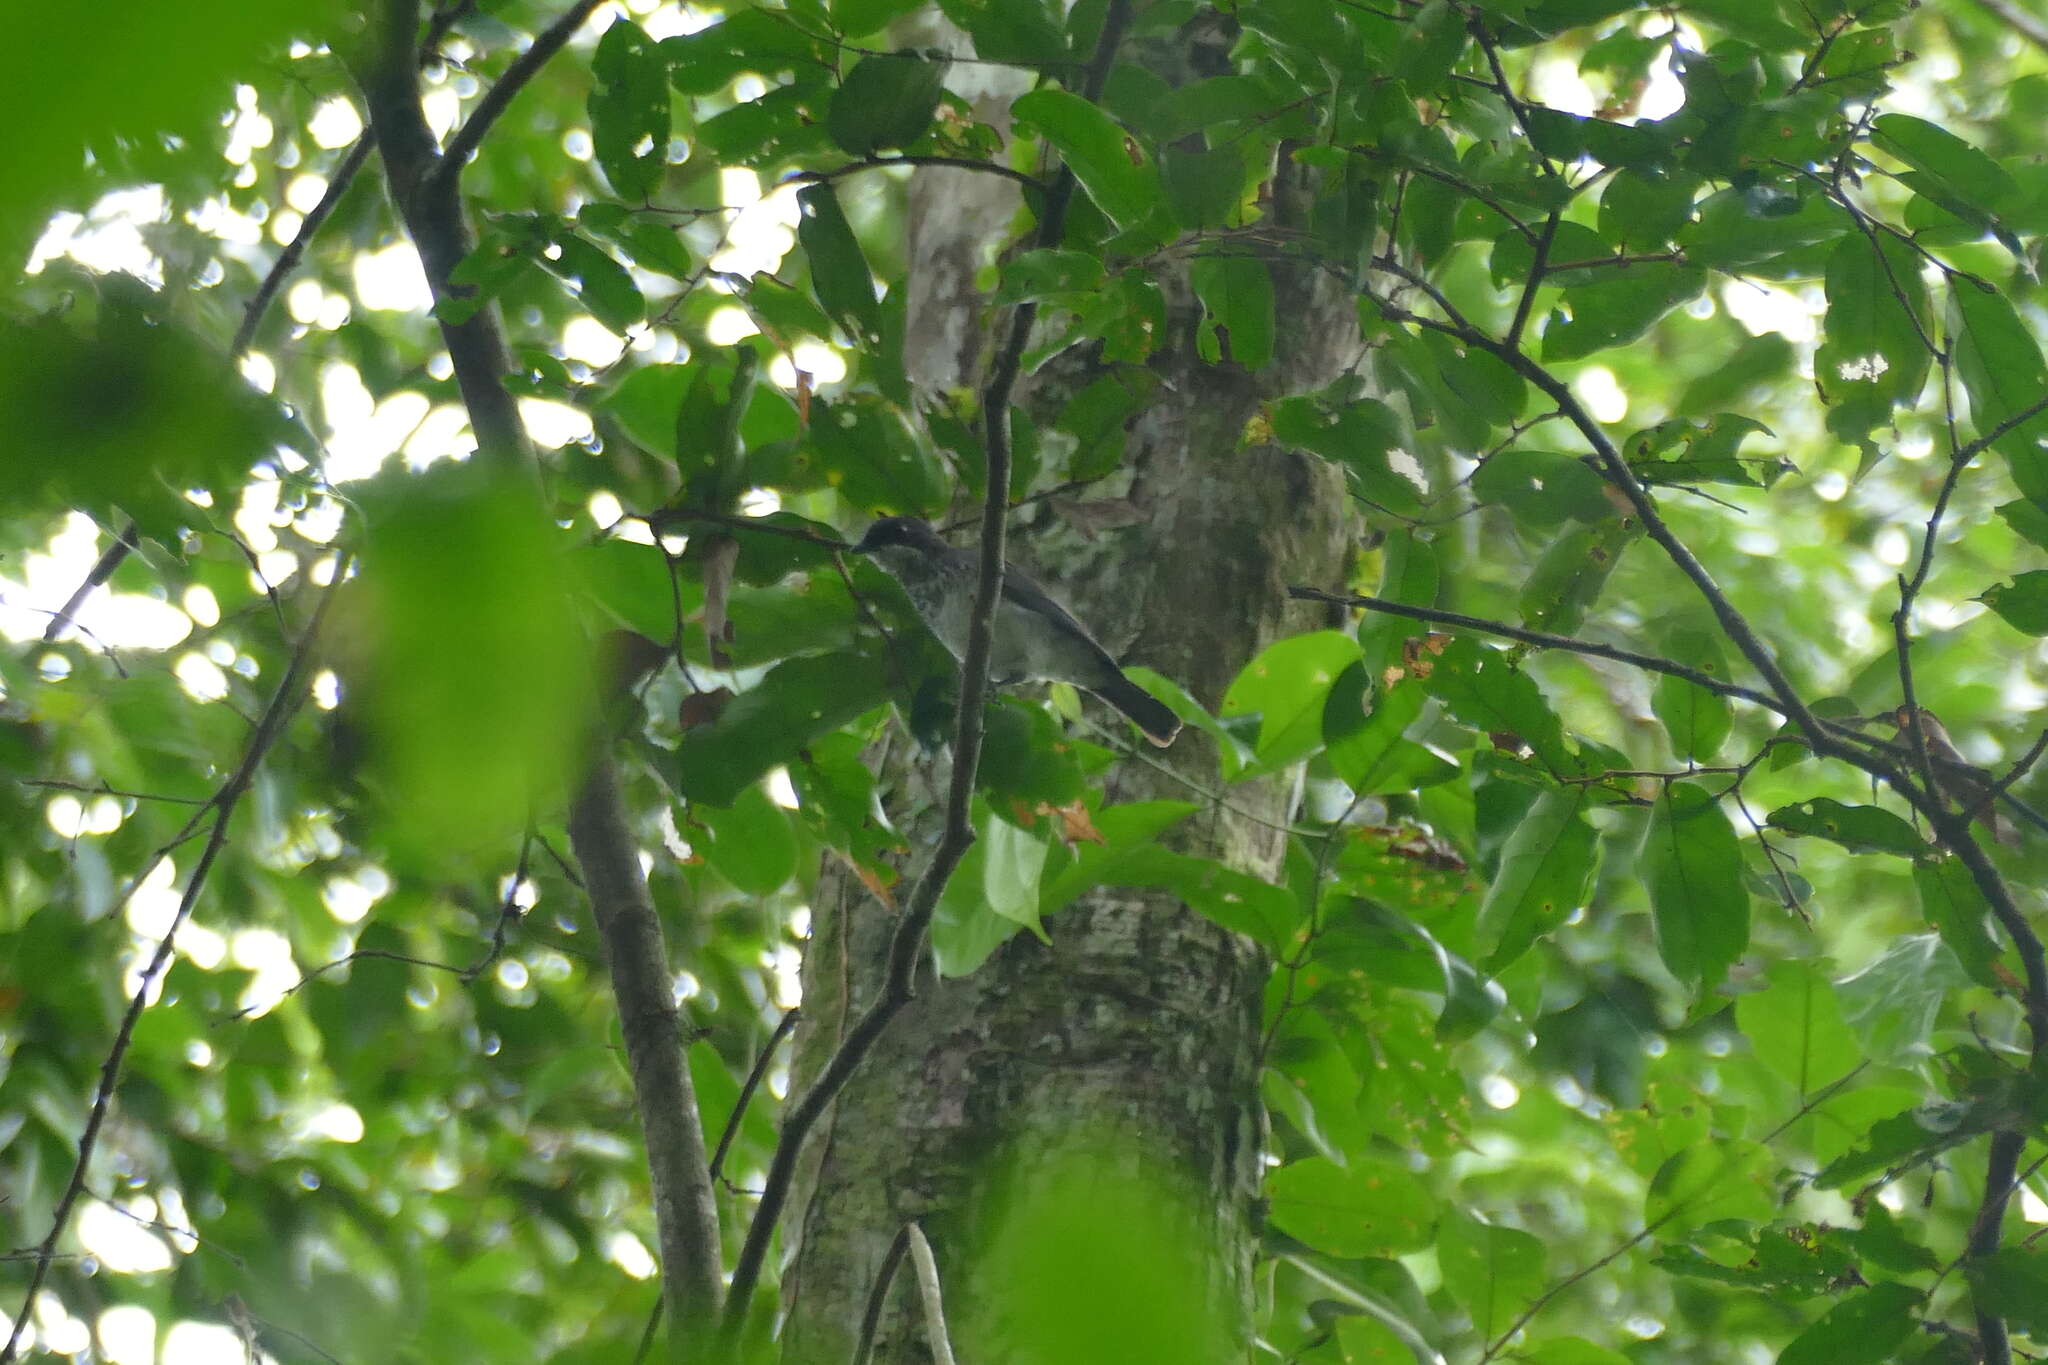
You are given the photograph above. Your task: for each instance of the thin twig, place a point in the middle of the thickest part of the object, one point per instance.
(878, 163)
(1543, 640)
(102, 789)
(878, 1296)
(499, 97)
(753, 1082)
(339, 181)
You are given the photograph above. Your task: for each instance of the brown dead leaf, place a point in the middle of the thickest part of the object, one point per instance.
(702, 708)
(1077, 823)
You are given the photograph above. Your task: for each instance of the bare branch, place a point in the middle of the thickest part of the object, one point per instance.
(499, 97)
(753, 1083)
(685, 1210)
(1542, 640)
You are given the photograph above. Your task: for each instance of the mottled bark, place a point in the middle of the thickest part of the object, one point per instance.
(1133, 1035)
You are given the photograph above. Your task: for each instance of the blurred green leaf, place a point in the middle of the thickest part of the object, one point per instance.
(886, 100)
(1371, 1208)
(629, 114)
(1108, 165)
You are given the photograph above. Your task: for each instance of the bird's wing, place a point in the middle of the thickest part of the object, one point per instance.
(1020, 589)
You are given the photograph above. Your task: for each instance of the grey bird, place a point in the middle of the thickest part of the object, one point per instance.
(1955, 776)
(1035, 637)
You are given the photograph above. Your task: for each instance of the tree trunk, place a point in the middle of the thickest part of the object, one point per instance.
(1101, 1090)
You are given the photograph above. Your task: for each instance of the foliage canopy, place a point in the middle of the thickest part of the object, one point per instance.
(1633, 997)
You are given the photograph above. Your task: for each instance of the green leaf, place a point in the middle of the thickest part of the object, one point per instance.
(1237, 298)
(865, 451)
(1368, 1341)
(1485, 690)
(1358, 436)
(1410, 573)
(1697, 900)
(1893, 1003)
(1860, 829)
(1758, 362)
(1545, 870)
(839, 269)
(765, 726)
(858, 18)
(1956, 908)
(2011, 1283)
(1494, 1272)
(1874, 357)
(1795, 1027)
(1366, 748)
(1480, 379)
(632, 584)
(965, 930)
(1373, 1208)
(1642, 211)
(473, 692)
(1906, 1139)
(2003, 374)
(1286, 687)
(751, 844)
(2028, 520)
(1019, 31)
(1101, 156)
(1568, 579)
(887, 100)
(1313, 1085)
(1864, 1328)
(629, 110)
(1685, 451)
(1933, 150)
(1571, 1351)
(2022, 603)
(1620, 308)
(1709, 1182)
(1696, 719)
(1542, 488)
(602, 284)
(1203, 187)
(1046, 274)
(1011, 870)
(1429, 44)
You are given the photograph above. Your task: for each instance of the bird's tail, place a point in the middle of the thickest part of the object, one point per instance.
(1146, 711)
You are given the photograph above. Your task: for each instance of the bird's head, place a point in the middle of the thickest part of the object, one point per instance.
(901, 533)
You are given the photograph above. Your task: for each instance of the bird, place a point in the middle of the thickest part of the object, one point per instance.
(1036, 639)
(1954, 776)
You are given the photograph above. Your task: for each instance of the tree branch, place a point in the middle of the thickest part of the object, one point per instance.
(291, 691)
(878, 1296)
(338, 182)
(430, 205)
(753, 1083)
(636, 958)
(550, 40)
(1542, 640)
